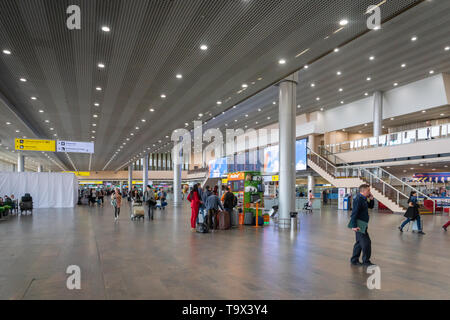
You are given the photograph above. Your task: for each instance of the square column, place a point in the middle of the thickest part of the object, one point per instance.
(377, 113)
(144, 172)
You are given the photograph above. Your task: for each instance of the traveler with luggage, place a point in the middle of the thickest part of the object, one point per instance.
(360, 219)
(412, 213)
(194, 199)
(204, 195)
(229, 202)
(212, 205)
(100, 195)
(149, 199)
(93, 198)
(116, 202)
(162, 196)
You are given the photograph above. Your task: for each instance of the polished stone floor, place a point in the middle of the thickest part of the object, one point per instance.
(162, 259)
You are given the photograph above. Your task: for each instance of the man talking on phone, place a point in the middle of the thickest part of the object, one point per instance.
(363, 201)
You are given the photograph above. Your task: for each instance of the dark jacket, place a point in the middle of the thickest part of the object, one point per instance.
(204, 196)
(361, 206)
(228, 201)
(412, 212)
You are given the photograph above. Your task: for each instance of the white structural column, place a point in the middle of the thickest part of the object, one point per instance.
(144, 172)
(40, 168)
(311, 142)
(177, 166)
(311, 183)
(377, 113)
(130, 177)
(287, 108)
(20, 163)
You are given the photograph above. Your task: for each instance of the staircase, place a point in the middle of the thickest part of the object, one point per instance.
(385, 187)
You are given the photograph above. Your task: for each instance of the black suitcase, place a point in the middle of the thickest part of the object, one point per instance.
(202, 228)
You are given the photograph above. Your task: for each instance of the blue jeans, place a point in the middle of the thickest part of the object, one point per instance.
(408, 220)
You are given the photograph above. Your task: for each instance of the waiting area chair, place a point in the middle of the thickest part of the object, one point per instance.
(26, 204)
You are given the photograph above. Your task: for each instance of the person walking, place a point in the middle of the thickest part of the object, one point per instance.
(194, 199)
(310, 198)
(412, 213)
(149, 199)
(212, 206)
(229, 201)
(116, 201)
(363, 201)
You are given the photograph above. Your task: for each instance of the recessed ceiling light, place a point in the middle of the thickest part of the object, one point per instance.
(342, 102)
(92, 137)
(6, 51)
(98, 89)
(318, 98)
(299, 106)
(219, 102)
(179, 76)
(414, 38)
(336, 50)
(392, 118)
(442, 114)
(423, 111)
(143, 120)
(101, 65)
(256, 122)
(259, 109)
(41, 111)
(366, 94)
(395, 84)
(23, 79)
(106, 29)
(340, 89)
(204, 47)
(94, 124)
(365, 124)
(313, 85)
(93, 131)
(431, 71)
(282, 61)
(338, 73)
(96, 104)
(200, 115)
(403, 65)
(274, 103)
(244, 85)
(343, 22)
(368, 78)
(132, 134)
(55, 136)
(95, 116)
(372, 58)
(137, 128)
(152, 110)
(268, 118)
(306, 66)
(17, 131)
(163, 96)
(447, 48)
(321, 109)
(33, 98)
(47, 121)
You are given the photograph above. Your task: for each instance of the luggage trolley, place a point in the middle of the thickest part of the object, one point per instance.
(137, 210)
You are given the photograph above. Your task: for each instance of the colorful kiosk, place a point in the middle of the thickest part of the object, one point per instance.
(248, 187)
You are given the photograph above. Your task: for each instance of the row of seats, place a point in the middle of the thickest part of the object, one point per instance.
(10, 206)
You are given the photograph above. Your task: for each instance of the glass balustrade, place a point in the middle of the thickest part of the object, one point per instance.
(391, 139)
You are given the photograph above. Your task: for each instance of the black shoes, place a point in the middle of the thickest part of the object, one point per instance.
(445, 229)
(357, 263)
(421, 232)
(399, 228)
(368, 264)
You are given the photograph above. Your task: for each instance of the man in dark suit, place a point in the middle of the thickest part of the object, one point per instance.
(363, 201)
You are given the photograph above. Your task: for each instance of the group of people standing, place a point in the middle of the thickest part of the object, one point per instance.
(207, 203)
(149, 198)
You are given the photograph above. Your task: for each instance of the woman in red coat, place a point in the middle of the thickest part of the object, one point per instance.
(195, 201)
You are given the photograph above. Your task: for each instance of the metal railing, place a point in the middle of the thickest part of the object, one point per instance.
(377, 177)
(392, 139)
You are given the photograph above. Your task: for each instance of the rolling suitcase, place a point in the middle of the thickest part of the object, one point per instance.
(234, 218)
(224, 220)
(260, 221)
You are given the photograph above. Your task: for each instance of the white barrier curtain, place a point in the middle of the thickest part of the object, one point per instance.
(48, 189)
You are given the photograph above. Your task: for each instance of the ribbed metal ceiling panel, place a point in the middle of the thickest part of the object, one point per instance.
(150, 42)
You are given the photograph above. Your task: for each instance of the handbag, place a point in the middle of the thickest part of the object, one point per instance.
(114, 202)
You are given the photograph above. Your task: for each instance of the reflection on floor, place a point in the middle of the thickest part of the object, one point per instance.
(162, 259)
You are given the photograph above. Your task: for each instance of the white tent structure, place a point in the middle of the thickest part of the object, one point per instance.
(48, 189)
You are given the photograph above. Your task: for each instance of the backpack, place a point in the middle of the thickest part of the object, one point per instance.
(202, 228)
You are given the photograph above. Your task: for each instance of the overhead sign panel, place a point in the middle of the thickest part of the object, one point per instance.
(79, 173)
(35, 145)
(75, 146)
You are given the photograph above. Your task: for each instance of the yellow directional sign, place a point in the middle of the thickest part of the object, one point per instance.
(90, 182)
(35, 145)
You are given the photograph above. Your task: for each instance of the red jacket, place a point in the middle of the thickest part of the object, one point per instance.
(194, 199)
